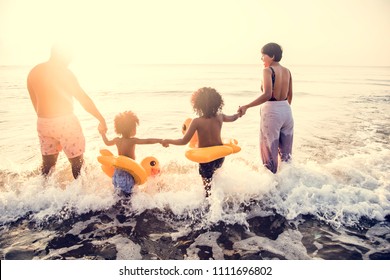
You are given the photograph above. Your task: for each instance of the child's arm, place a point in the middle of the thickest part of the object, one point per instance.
(186, 138)
(147, 141)
(108, 142)
(230, 118)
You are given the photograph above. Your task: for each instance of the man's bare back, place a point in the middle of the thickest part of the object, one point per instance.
(51, 88)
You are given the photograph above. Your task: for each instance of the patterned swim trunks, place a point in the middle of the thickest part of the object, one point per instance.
(123, 181)
(61, 133)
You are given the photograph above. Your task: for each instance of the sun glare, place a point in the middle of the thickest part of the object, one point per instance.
(201, 31)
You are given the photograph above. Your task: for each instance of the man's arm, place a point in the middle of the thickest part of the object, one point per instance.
(87, 103)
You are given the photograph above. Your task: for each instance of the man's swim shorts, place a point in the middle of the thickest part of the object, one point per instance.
(61, 133)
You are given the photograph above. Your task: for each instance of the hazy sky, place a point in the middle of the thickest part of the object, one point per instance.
(321, 32)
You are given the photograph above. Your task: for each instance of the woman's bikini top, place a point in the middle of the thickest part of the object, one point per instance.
(273, 84)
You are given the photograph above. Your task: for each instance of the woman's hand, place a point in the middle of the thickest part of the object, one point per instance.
(102, 128)
(242, 110)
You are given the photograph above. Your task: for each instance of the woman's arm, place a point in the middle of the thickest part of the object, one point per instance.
(267, 93)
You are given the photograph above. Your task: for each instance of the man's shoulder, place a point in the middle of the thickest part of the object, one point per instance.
(38, 67)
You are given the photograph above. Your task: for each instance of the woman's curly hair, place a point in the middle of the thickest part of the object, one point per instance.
(206, 102)
(125, 123)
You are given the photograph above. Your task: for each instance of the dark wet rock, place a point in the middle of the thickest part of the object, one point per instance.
(19, 255)
(148, 223)
(162, 249)
(105, 219)
(263, 255)
(65, 221)
(21, 220)
(40, 253)
(320, 240)
(205, 252)
(107, 251)
(182, 245)
(229, 234)
(89, 251)
(359, 234)
(63, 241)
(314, 234)
(121, 218)
(57, 258)
(151, 232)
(231, 255)
(125, 231)
(90, 228)
(270, 226)
(380, 256)
(310, 239)
(365, 223)
(359, 248)
(252, 256)
(338, 252)
(109, 232)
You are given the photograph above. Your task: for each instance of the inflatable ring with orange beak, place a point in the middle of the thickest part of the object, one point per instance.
(149, 166)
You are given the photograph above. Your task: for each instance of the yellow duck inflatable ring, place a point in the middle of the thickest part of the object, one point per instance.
(207, 154)
(149, 166)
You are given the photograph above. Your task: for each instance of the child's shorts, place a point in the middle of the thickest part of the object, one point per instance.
(206, 170)
(61, 133)
(122, 180)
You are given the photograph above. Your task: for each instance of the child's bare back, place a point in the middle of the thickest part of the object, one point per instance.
(209, 131)
(207, 103)
(125, 146)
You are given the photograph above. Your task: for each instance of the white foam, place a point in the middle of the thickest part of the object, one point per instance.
(340, 191)
(48, 197)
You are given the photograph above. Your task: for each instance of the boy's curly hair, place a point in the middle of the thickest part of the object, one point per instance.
(206, 102)
(125, 123)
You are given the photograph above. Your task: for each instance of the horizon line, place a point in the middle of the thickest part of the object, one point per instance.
(199, 64)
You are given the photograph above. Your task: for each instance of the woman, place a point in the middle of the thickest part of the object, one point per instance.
(276, 124)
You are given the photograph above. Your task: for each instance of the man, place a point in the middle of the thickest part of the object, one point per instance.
(52, 87)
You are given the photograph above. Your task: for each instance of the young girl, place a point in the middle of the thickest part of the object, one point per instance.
(126, 126)
(207, 103)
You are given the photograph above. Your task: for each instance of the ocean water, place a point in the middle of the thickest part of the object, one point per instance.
(331, 202)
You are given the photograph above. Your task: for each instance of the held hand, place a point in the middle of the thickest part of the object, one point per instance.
(241, 110)
(102, 128)
(165, 143)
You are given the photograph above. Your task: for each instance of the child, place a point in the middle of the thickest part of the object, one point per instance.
(126, 126)
(207, 103)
